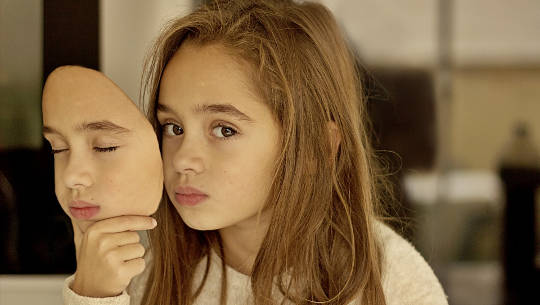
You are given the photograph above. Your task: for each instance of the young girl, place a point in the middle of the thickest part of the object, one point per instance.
(272, 196)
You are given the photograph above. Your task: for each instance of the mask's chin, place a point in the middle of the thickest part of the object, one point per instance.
(84, 224)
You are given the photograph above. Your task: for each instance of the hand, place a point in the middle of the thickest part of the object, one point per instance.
(109, 255)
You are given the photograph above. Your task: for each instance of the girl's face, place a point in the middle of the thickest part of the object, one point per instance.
(220, 141)
(106, 155)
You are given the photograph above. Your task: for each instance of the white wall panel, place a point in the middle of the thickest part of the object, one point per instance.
(127, 29)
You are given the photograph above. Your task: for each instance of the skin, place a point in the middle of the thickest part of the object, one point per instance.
(119, 171)
(227, 156)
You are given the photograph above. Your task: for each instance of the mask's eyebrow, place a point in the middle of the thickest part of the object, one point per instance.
(103, 125)
(49, 130)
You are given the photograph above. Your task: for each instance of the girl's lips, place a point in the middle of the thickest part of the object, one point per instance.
(84, 213)
(189, 199)
(189, 196)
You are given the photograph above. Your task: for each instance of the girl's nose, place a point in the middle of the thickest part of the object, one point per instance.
(77, 172)
(188, 158)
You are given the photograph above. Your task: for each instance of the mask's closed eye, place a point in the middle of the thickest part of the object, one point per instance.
(97, 149)
(57, 151)
(105, 149)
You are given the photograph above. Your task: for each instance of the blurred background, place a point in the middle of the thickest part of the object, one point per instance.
(453, 91)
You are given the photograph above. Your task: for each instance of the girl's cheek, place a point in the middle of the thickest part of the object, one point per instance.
(167, 152)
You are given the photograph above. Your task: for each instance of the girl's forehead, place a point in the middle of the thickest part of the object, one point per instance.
(206, 73)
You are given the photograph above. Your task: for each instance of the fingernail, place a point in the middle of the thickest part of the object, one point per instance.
(154, 222)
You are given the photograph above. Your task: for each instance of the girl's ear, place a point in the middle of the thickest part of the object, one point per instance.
(334, 136)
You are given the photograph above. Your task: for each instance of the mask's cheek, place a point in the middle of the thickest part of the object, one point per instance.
(147, 183)
(141, 196)
(61, 201)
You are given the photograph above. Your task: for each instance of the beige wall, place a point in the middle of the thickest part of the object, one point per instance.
(486, 105)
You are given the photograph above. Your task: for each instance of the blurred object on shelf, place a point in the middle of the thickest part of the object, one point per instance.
(458, 225)
(459, 186)
(474, 283)
(467, 226)
(520, 173)
(521, 152)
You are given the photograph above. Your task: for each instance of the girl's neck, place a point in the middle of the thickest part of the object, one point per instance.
(242, 241)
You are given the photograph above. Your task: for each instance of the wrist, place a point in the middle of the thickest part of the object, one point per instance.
(81, 289)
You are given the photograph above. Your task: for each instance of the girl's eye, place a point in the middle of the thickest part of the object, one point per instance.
(105, 149)
(171, 129)
(224, 131)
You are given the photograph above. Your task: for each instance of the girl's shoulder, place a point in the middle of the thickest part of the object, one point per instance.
(407, 277)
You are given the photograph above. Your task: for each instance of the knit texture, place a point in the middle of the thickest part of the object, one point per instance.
(407, 280)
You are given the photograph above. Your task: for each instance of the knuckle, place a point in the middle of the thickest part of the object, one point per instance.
(92, 232)
(118, 274)
(111, 258)
(101, 245)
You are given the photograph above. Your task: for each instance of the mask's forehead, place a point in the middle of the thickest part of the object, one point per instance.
(88, 95)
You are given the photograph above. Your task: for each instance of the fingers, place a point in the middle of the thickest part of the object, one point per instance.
(129, 259)
(110, 241)
(119, 255)
(109, 255)
(123, 223)
(134, 267)
(120, 239)
(129, 252)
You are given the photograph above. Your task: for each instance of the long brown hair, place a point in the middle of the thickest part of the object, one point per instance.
(320, 247)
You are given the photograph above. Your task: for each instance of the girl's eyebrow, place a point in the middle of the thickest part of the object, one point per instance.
(163, 108)
(103, 125)
(223, 108)
(212, 108)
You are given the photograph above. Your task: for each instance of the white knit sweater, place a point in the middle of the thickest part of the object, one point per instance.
(407, 280)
